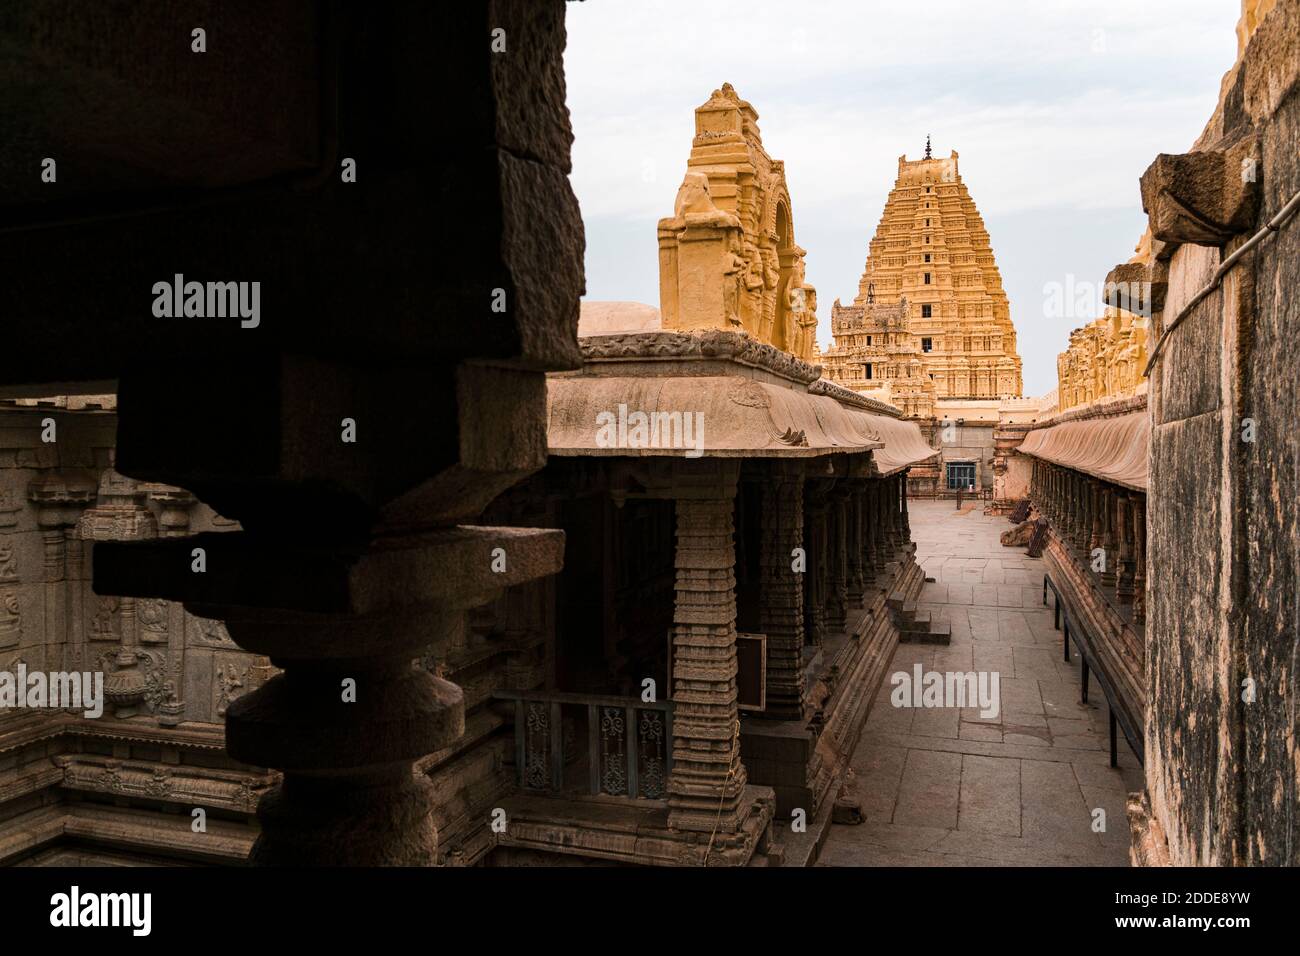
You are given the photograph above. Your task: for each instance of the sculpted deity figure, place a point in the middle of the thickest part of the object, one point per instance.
(733, 278)
(10, 604)
(807, 328)
(693, 196)
(751, 313)
(796, 304)
(771, 276)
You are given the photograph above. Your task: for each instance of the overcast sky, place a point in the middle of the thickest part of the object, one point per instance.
(1056, 107)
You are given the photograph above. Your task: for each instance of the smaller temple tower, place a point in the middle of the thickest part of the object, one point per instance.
(727, 255)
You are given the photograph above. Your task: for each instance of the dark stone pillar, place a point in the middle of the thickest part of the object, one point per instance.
(1107, 540)
(853, 542)
(1124, 522)
(816, 491)
(781, 606)
(837, 570)
(354, 556)
(1139, 559)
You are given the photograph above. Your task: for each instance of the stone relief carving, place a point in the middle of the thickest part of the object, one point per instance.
(153, 615)
(210, 632)
(106, 625)
(234, 678)
(11, 618)
(10, 506)
(159, 784)
(159, 672)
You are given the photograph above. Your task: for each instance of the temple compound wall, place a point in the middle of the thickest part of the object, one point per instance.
(1222, 774)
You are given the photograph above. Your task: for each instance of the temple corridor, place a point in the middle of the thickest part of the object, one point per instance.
(943, 786)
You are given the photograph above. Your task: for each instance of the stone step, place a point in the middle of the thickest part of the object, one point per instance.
(939, 632)
(920, 621)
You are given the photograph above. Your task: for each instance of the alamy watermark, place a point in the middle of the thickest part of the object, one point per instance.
(1081, 299)
(638, 429)
(74, 909)
(208, 300)
(72, 690)
(923, 688)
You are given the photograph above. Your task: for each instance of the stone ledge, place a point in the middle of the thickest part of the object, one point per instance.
(636, 834)
(737, 347)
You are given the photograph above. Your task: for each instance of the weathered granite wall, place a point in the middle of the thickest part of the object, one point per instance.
(1221, 768)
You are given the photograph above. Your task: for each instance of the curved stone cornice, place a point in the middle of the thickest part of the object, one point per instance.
(849, 397)
(1121, 406)
(736, 347)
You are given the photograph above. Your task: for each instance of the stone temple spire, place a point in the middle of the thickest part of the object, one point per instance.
(930, 294)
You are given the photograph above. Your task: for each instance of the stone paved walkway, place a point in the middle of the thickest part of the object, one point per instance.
(946, 787)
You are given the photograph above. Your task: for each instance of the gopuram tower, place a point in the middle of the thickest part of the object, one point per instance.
(930, 320)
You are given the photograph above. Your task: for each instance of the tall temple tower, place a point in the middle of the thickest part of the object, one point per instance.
(930, 320)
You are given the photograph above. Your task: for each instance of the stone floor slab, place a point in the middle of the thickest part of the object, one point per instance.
(946, 787)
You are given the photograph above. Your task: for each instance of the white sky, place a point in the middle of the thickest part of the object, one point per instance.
(1056, 108)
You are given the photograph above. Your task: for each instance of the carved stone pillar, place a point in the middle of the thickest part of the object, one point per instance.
(1073, 509)
(884, 549)
(781, 607)
(707, 779)
(59, 499)
(815, 534)
(866, 533)
(1063, 502)
(887, 529)
(120, 515)
(176, 503)
(1061, 519)
(1092, 488)
(1108, 575)
(853, 541)
(1124, 523)
(837, 590)
(905, 521)
(898, 501)
(1083, 533)
(1139, 559)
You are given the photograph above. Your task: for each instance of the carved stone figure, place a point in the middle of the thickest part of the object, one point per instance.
(11, 620)
(105, 625)
(8, 565)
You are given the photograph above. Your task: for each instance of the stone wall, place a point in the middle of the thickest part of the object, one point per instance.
(1221, 771)
(171, 674)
